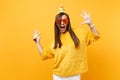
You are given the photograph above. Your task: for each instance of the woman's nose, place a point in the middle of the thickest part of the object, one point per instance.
(62, 22)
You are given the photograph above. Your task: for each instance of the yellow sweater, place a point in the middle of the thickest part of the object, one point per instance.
(68, 60)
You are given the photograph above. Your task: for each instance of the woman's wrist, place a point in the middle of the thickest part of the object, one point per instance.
(37, 42)
(91, 25)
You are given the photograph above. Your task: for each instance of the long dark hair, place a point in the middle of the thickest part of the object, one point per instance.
(69, 29)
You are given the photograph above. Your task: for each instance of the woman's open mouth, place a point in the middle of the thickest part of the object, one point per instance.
(62, 28)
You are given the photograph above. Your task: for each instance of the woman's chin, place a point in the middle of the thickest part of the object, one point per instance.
(62, 31)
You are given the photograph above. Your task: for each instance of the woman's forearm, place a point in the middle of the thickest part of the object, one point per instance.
(39, 47)
(93, 29)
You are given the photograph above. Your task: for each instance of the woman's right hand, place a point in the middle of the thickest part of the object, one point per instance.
(36, 36)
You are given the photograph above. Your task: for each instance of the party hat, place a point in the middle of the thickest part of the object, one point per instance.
(61, 9)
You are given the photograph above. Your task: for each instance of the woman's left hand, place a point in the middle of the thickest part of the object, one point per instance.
(86, 16)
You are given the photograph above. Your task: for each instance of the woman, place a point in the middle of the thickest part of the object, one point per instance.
(69, 48)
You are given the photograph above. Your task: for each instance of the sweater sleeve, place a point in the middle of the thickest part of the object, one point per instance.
(48, 52)
(91, 37)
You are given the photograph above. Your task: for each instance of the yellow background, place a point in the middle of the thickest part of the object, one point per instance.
(19, 57)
